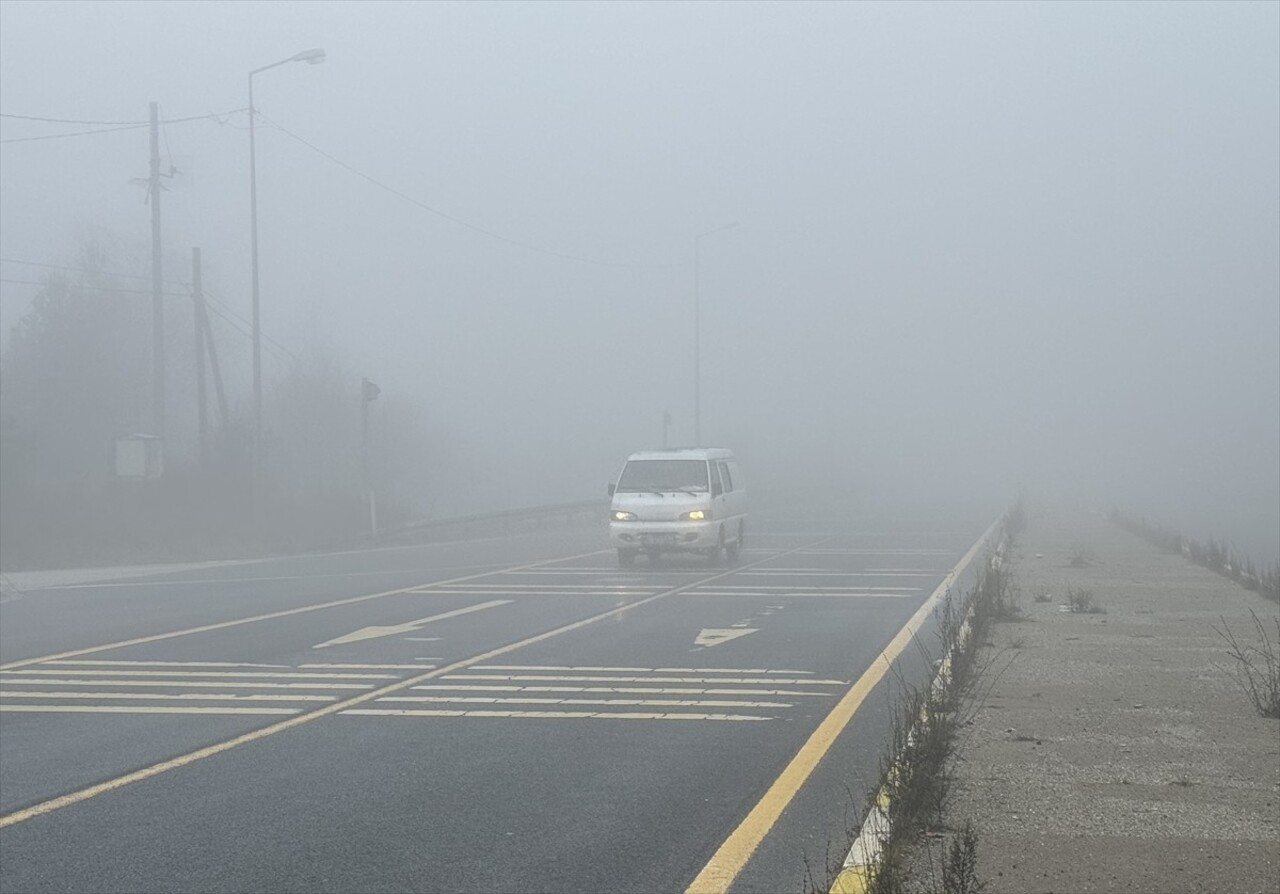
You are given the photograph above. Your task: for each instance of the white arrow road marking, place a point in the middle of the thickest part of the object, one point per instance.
(711, 636)
(409, 626)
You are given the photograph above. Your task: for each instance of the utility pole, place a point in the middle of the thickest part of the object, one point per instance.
(666, 426)
(157, 295)
(368, 393)
(224, 413)
(202, 413)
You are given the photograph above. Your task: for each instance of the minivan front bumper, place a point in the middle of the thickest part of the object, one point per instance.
(664, 536)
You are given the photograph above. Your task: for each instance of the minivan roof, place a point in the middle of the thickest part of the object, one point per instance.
(684, 453)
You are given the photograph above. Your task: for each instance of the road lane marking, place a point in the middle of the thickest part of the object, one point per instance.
(27, 674)
(500, 590)
(633, 690)
(643, 670)
(716, 636)
(284, 613)
(778, 594)
(126, 584)
(767, 589)
(732, 855)
(592, 588)
(333, 708)
(111, 663)
(106, 662)
(870, 551)
(137, 709)
(608, 573)
(827, 572)
(407, 627)
(651, 702)
(58, 681)
(370, 666)
(546, 715)
(550, 678)
(190, 696)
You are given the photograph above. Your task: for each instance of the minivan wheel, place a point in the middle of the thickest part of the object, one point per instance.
(733, 550)
(626, 557)
(714, 552)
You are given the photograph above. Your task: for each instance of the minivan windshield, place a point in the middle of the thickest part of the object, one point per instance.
(663, 475)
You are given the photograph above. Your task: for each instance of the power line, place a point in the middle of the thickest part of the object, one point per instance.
(68, 120)
(219, 303)
(174, 282)
(219, 117)
(280, 352)
(78, 133)
(32, 282)
(226, 312)
(457, 220)
(139, 122)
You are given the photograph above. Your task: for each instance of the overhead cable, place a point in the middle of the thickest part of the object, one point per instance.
(457, 220)
(117, 126)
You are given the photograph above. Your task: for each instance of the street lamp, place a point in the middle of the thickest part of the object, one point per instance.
(697, 332)
(311, 57)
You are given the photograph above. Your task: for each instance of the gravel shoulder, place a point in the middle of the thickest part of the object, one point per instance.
(1114, 751)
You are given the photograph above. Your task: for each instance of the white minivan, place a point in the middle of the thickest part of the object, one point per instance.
(682, 500)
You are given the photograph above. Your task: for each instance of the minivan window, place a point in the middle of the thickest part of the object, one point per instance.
(661, 475)
(726, 477)
(715, 479)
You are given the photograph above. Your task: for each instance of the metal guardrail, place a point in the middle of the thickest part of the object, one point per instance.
(505, 519)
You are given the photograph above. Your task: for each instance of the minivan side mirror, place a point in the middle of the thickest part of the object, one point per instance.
(612, 488)
(716, 490)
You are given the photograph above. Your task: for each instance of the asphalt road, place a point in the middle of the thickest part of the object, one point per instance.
(507, 714)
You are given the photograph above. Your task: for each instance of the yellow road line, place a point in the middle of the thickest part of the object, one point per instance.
(729, 860)
(191, 757)
(221, 625)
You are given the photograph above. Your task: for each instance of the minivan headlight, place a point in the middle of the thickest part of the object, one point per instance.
(696, 515)
(620, 515)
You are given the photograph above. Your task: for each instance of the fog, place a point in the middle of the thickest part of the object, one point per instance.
(977, 246)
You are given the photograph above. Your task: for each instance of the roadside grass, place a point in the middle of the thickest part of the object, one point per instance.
(999, 600)
(1081, 556)
(1217, 557)
(960, 871)
(1082, 602)
(1257, 667)
(916, 770)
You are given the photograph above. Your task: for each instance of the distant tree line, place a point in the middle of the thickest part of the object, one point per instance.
(75, 375)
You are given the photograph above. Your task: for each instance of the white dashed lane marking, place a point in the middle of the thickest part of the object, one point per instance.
(506, 691)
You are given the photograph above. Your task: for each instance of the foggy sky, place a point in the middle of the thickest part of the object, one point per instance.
(979, 245)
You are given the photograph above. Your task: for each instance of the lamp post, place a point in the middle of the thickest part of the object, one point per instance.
(311, 57)
(697, 330)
